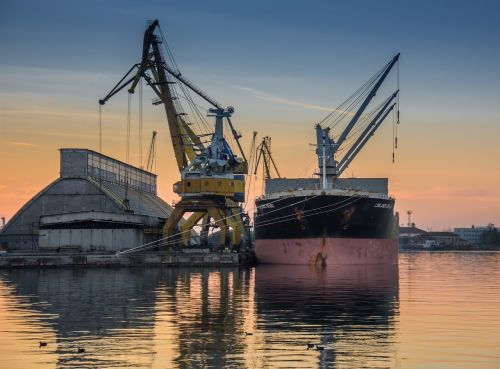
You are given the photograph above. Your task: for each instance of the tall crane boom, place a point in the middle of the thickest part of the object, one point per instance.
(369, 98)
(184, 140)
(180, 77)
(369, 130)
(210, 100)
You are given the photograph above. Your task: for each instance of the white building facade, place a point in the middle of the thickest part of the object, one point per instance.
(472, 234)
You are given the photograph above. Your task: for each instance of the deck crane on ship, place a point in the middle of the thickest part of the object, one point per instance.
(212, 184)
(327, 147)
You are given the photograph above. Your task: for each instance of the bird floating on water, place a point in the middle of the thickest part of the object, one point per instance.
(248, 334)
(81, 350)
(319, 348)
(42, 344)
(310, 345)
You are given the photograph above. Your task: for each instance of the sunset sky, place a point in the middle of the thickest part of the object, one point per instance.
(283, 65)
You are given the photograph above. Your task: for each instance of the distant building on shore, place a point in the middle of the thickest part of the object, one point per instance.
(473, 234)
(413, 237)
(446, 238)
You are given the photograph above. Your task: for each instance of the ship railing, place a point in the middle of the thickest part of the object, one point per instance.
(330, 186)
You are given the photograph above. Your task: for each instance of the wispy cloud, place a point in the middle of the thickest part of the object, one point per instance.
(282, 100)
(19, 143)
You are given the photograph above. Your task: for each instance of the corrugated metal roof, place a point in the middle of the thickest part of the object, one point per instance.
(142, 203)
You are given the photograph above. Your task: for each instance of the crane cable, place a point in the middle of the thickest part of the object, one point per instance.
(336, 206)
(355, 98)
(395, 117)
(338, 115)
(393, 136)
(166, 242)
(174, 91)
(140, 145)
(100, 156)
(213, 223)
(350, 103)
(313, 211)
(127, 147)
(361, 125)
(140, 123)
(397, 101)
(251, 160)
(160, 241)
(187, 94)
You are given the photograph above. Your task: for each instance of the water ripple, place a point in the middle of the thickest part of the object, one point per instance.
(435, 310)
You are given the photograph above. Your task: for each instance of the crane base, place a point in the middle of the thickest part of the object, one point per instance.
(220, 212)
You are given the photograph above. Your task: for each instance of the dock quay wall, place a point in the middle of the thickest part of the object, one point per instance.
(46, 260)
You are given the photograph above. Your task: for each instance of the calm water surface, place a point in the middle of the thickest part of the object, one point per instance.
(438, 310)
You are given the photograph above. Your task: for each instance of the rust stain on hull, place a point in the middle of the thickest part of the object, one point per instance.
(327, 251)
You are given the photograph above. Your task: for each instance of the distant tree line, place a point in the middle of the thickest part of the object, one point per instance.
(491, 237)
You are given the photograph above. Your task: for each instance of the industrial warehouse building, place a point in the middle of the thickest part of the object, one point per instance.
(97, 204)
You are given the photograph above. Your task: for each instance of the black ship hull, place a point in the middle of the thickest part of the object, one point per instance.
(326, 229)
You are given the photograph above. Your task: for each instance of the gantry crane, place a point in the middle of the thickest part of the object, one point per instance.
(212, 184)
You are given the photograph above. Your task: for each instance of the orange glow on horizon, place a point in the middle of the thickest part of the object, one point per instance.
(442, 184)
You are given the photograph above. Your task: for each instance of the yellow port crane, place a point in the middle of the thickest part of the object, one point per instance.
(212, 184)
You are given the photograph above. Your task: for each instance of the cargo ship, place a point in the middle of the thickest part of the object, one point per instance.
(330, 220)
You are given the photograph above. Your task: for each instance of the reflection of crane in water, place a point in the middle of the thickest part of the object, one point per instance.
(212, 184)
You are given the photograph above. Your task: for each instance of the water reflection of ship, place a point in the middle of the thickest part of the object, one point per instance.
(360, 290)
(345, 309)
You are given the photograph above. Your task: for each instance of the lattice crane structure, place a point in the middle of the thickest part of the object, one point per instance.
(212, 184)
(264, 152)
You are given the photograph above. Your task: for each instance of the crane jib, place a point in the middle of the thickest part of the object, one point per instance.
(367, 100)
